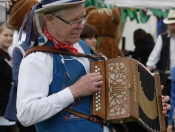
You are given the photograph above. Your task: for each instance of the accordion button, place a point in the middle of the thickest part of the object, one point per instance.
(99, 96)
(96, 101)
(96, 71)
(99, 100)
(99, 108)
(96, 105)
(96, 66)
(96, 109)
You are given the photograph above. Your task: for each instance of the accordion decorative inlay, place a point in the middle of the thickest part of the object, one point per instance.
(130, 94)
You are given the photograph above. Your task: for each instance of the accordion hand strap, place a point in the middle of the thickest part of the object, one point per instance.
(98, 53)
(62, 51)
(94, 119)
(90, 118)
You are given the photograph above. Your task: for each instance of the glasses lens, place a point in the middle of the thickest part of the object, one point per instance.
(75, 24)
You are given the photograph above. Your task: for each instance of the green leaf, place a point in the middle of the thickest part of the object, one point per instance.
(156, 12)
(143, 17)
(165, 14)
(130, 14)
(135, 15)
(89, 3)
(123, 15)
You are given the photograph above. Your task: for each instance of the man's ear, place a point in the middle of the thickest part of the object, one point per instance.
(49, 19)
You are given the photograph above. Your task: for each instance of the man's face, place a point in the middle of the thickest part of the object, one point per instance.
(66, 33)
(171, 28)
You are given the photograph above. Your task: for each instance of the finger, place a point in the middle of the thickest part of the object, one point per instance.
(98, 84)
(97, 78)
(94, 74)
(166, 107)
(164, 112)
(162, 87)
(165, 99)
(97, 89)
(169, 130)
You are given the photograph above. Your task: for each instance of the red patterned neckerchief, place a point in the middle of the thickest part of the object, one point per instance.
(59, 44)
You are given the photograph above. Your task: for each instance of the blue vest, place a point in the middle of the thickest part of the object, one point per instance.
(65, 75)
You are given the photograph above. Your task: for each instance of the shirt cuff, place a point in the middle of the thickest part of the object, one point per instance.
(150, 64)
(170, 121)
(66, 97)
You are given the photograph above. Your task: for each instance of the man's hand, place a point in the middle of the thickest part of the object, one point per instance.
(165, 99)
(170, 128)
(87, 85)
(149, 68)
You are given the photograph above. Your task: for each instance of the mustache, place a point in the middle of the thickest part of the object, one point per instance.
(172, 33)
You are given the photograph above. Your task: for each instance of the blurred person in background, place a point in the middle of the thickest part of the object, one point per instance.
(17, 55)
(162, 57)
(89, 35)
(144, 44)
(6, 38)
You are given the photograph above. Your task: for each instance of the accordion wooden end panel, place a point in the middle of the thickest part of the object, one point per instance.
(98, 102)
(129, 94)
(159, 102)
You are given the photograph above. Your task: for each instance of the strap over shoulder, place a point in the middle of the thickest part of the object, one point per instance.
(51, 49)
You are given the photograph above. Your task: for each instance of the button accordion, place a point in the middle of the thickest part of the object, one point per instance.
(130, 94)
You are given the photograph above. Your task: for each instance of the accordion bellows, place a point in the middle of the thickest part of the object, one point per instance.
(130, 94)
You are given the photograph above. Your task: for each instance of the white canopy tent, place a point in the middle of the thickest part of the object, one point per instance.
(156, 4)
(131, 26)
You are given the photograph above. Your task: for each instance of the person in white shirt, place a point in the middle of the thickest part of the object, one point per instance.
(49, 82)
(162, 57)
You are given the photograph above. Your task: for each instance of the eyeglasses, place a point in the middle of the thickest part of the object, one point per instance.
(73, 24)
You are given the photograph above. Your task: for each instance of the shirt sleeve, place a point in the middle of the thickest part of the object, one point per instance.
(172, 99)
(155, 54)
(33, 103)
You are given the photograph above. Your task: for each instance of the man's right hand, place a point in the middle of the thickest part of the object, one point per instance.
(86, 85)
(149, 68)
(170, 128)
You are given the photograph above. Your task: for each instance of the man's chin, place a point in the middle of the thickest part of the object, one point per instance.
(75, 40)
(172, 34)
